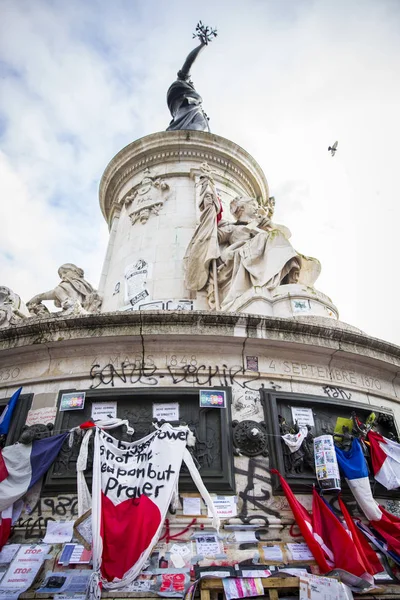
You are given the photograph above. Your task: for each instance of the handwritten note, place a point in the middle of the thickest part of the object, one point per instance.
(167, 412)
(303, 416)
(191, 506)
(300, 551)
(272, 553)
(101, 411)
(208, 545)
(58, 532)
(182, 549)
(8, 553)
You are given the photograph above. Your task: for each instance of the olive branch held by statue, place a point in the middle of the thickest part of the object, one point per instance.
(204, 33)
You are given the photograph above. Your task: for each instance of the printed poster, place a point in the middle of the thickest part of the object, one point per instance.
(226, 506)
(168, 411)
(68, 582)
(135, 282)
(303, 416)
(212, 399)
(326, 466)
(101, 411)
(23, 570)
(73, 401)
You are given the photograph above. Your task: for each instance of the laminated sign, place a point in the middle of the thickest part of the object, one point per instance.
(133, 485)
(326, 465)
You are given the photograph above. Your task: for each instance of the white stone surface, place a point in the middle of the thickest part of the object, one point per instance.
(173, 158)
(166, 170)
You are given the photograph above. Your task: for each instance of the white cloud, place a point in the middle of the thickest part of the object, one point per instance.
(284, 80)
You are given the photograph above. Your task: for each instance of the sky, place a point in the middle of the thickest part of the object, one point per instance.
(284, 79)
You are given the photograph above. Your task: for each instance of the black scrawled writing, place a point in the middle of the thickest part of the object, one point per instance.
(248, 496)
(150, 375)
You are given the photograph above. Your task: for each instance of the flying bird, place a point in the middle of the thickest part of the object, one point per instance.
(333, 148)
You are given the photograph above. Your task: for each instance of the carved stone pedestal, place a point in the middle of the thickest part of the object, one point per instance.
(293, 300)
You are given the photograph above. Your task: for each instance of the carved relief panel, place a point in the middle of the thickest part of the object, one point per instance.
(147, 198)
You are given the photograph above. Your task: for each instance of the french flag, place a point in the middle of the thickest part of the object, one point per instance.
(21, 466)
(385, 458)
(354, 467)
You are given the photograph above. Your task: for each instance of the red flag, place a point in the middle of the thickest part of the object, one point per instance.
(345, 552)
(389, 528)
(304, 522)
(369, 557)
(5, 525)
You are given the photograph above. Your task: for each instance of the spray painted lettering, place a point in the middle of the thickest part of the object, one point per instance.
(336, 392)
(150, 375)
(34, 521)
(248, 496)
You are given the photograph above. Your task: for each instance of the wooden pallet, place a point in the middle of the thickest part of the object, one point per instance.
(272, 584)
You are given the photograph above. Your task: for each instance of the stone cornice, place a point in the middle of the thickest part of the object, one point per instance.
(175, 147)
(330, 337)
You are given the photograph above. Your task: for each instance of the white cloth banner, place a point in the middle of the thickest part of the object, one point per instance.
(133, 485)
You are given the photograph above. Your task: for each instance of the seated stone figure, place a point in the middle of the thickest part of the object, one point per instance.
(73, 294)
(256, 253)
(249, 252)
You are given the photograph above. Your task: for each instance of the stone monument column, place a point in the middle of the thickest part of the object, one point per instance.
(152, 197)
(149, 196)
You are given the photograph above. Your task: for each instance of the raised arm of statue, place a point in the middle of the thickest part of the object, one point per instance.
(184, 73)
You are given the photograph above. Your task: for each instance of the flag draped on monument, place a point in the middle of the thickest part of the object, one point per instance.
(354, 467)
(133, 485)
(21, 466)
(7, 414)
(385, 458)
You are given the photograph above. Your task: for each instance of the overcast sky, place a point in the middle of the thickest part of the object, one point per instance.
(284, 79)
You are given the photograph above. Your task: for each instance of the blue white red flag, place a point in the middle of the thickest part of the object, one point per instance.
(7, 414)
(354, 467)
(385, 458)
(22, 465)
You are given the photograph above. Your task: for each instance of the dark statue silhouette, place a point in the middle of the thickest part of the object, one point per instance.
(183, 101)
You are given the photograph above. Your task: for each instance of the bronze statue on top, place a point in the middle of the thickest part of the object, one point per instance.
(183, 101)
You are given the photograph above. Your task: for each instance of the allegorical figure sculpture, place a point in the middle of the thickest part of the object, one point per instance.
(184, 103)
(73, 294)
(12, 309)
(231, 258)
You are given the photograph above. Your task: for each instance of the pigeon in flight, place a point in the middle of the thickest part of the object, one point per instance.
(333, 148)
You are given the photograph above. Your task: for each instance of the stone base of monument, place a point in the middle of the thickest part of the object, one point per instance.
(292, 300)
